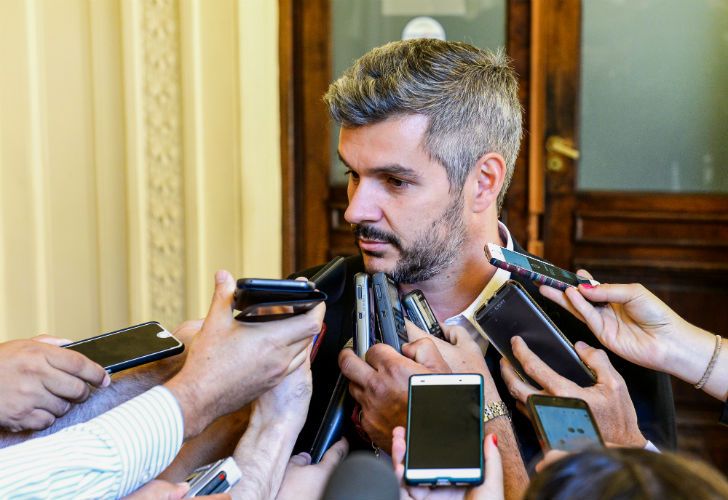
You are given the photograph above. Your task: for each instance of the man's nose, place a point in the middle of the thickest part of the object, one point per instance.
(363, 206)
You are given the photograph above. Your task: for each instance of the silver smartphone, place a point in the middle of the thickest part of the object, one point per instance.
(421, 314)
(364, 315)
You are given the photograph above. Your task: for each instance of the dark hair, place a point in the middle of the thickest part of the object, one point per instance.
(470, 96)
(627, 473)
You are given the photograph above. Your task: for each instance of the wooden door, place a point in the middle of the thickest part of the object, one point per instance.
(675, 243)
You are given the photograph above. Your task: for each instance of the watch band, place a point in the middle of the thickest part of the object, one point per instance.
(495, 409)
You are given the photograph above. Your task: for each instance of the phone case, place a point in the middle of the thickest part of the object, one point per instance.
(255, 294)
(511, 312)
(390, 317)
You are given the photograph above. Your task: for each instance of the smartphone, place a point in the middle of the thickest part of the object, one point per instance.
(129, 347)
(331, 278)
(420, 313)
(364, 332)
(217, 477)
(390, 315)
(512, 312)
(260, 299)
(445, 430)
(533, 269)
(563, 423)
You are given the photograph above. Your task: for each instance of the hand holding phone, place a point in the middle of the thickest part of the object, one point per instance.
(563, 423)
(533, 269)
(129, 347)
(445, 430)
(217, 477)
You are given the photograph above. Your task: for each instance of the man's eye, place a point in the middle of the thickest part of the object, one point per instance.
(352, 175)
(398, 183)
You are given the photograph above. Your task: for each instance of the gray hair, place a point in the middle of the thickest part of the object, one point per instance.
(470, 96)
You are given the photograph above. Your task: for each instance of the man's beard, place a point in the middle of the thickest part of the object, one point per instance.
(433, 250)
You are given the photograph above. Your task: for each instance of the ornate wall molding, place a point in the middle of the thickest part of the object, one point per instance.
(164, 177)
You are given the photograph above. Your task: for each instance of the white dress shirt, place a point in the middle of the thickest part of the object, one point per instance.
(106, 457)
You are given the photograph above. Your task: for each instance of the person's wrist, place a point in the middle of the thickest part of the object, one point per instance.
(195, 412)
(286, 423)
(689, 353)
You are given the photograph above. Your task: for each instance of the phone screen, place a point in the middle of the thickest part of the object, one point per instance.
(444, 428)
(541, 267)
(567, 428)
(136, 342)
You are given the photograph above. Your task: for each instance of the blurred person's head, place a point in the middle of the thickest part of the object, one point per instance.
(627, 473)
(426, 115)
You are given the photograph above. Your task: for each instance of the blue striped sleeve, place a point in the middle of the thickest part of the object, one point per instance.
(107, 457)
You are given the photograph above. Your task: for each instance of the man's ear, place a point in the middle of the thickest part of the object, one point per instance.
(489, 176)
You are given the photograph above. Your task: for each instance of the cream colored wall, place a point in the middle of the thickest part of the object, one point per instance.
(139, 152)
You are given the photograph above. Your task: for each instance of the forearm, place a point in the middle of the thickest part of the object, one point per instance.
(217, 441)
(262, 456)
(124, 386)
(690, 357)
(515, 478)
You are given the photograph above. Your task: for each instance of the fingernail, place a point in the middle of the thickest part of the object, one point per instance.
(107, 381)
(587, 285)
(185, 486)
(579, 344)
(220, 276)
(495, 440)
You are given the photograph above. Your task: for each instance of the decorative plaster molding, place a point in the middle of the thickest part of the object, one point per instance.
(165, 194)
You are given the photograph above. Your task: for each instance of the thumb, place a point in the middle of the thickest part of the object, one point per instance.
(413, 332)
(335, 455)
(222, 298)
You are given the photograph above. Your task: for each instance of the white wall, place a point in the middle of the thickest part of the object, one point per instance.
(139, 152)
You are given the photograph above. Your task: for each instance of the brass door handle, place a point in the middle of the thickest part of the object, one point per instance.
(558, 147)
(556, 144)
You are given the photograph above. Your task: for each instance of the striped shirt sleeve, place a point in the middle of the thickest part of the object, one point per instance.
(106, 457)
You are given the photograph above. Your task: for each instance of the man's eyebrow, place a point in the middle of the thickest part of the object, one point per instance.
(395, 169)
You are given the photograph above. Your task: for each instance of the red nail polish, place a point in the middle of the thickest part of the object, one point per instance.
(587, 285)
(495, 440)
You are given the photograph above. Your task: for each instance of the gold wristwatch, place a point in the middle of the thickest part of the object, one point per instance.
(495, 409)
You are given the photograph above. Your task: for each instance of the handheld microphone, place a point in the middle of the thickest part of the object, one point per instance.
(332, 424)
(362, 476)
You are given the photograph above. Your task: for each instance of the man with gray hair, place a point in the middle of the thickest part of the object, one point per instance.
(430, 132)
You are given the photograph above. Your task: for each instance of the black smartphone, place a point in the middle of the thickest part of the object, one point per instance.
(420, 313)
(129, 347)
(260, 299)
(445, 429)
(364, 332)
(217, 477)
(533, 269)
(390, 315)
(563, 423)
(512, 312)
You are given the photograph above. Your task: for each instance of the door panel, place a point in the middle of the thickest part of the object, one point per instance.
(610, 209)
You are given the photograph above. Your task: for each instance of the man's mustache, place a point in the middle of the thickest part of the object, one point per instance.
(372, 233)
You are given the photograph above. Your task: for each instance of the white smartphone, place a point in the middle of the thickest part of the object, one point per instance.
(217, 477)
(533, 269)
(445, 430)
(364, 315)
